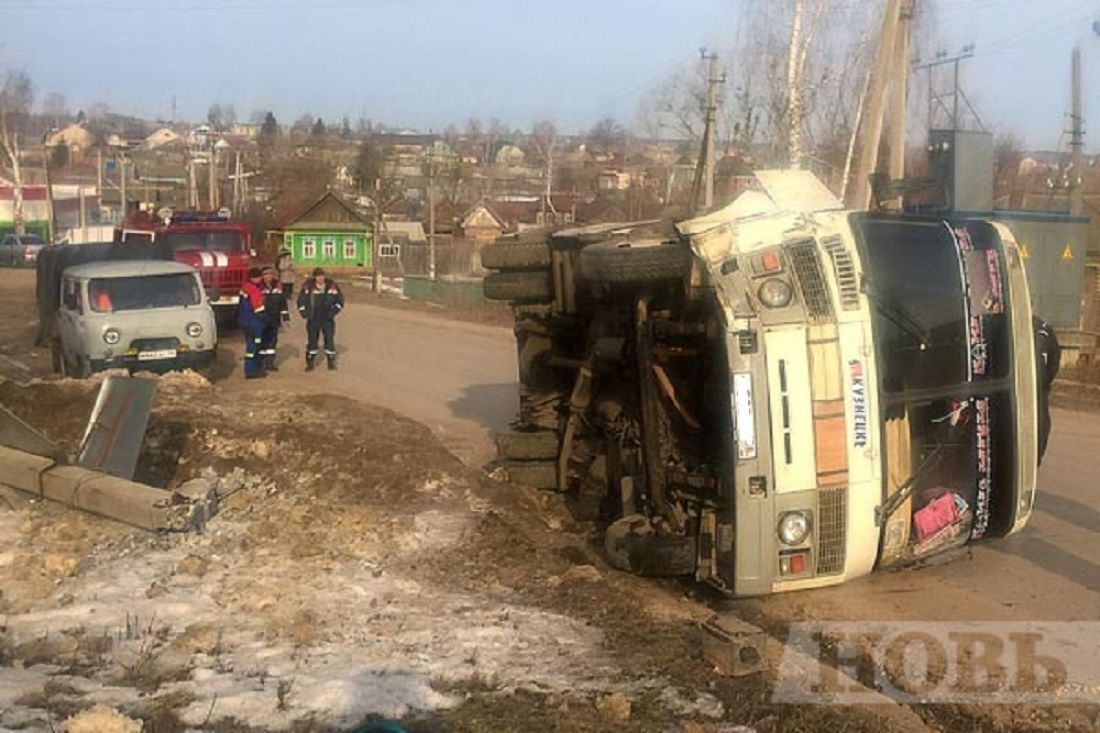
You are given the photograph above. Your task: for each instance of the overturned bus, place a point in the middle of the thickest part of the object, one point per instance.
(778, 395)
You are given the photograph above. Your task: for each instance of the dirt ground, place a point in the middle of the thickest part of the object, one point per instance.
(356, 571)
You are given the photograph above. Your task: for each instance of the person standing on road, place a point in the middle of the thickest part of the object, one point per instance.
(319, 302)
(252, 319)
(277, 314)
(284, 268)
(1048, 358)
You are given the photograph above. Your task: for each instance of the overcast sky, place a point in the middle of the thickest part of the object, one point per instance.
(428, 63)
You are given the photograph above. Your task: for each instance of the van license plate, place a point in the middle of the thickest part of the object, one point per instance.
(153, 355)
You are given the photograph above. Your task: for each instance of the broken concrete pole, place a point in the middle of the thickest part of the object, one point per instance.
(735, 647)
(22, 470)
(14, 433)
(136, 504)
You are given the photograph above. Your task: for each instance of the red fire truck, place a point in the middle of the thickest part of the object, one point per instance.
(210, 241)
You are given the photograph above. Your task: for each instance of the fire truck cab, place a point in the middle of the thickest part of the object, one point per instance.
(210, 241)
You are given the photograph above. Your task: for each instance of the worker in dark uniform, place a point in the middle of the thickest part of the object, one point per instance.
(319, 302)
(252, 318)
(1048, 357)
(276, 308)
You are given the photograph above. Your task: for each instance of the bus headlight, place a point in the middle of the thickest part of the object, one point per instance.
(794, 527)
(111, 336)
(775, 293)
(194, 330)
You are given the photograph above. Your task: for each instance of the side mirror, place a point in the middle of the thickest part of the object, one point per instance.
(213, 294)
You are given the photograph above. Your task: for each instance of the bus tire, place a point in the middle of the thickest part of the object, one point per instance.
(621, 264)
(519, 287)
(532, 445)
(516, 255)
(536, 474)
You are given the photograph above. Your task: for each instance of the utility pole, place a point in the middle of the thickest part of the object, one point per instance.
(713, 80)
(99, 174)
(868, 155)
(122, 185)
(899, 99)
(936, 99)
(83, 216)
(431, 213)
(1076, 138)
(212, 198)
(376, 270)
(237, 183)
(192, 184)
(51, 222)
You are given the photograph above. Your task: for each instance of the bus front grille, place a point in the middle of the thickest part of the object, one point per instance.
(845, 270)
(832, 529)
(807, 268)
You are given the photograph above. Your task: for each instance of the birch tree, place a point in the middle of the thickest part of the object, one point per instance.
(797, 52)
(544, 140)
(16, 97)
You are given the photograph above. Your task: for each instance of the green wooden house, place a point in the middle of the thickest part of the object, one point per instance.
(329, 233)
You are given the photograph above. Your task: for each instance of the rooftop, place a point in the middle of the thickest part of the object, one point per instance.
(128, 268)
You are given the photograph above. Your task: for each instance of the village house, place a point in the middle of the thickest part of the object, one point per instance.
(329, 233)
(482, 224)
(75, 137)
(163, 136)
(34, 210)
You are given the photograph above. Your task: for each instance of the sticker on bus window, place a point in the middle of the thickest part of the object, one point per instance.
(962, 236)
(985, 468)
(995, 304)
(859, 403)
(979, 349)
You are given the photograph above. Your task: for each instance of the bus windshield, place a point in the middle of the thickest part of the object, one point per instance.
(213, 241)
(939, 319)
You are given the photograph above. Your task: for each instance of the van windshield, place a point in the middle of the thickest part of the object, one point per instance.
(143, 292)
(202, 241)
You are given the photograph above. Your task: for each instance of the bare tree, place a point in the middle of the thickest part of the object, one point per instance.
(98, 111)
(56, 108)
(797, 53)
(303, 124)
(607, 136)
(544, 139)
(16, 98)
(221, 117)
(793, 79)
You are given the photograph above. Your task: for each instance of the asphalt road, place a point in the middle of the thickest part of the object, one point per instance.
(457, 378)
